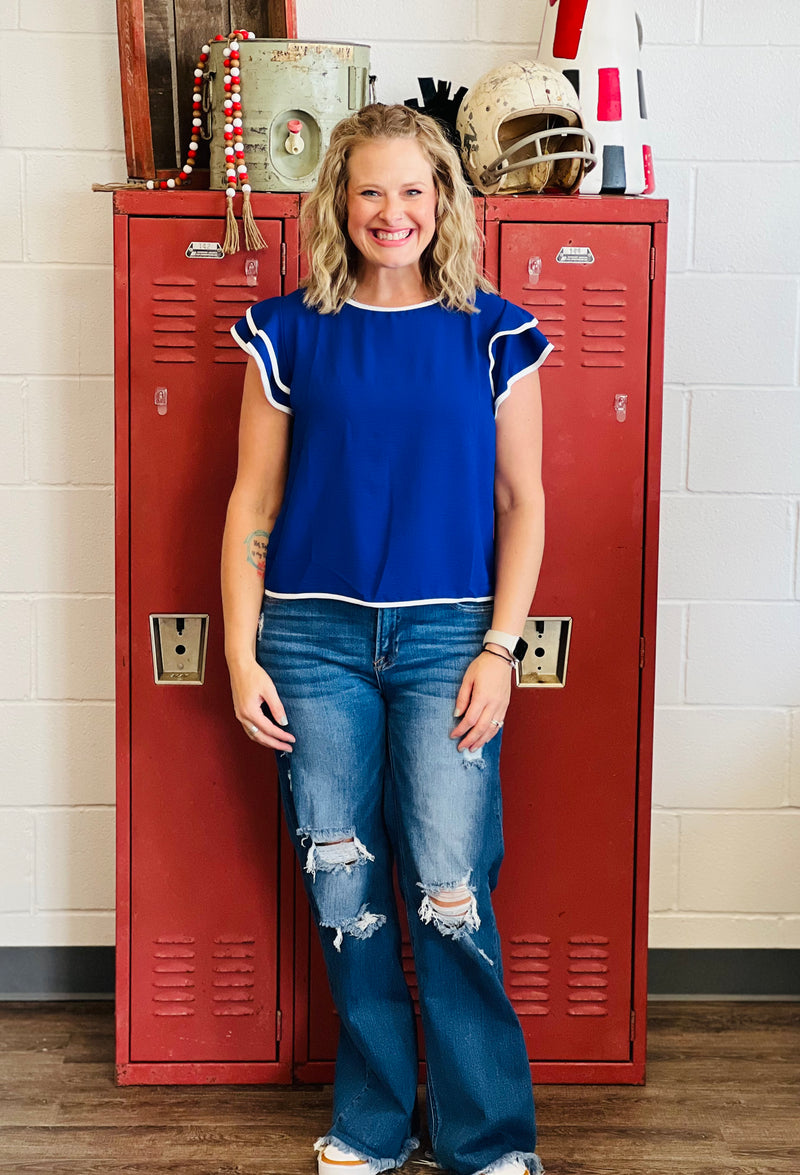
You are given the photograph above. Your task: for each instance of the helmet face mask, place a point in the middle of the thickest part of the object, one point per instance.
(555, 154)
(521, 130)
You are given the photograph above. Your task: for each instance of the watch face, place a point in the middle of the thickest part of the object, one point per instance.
(520, 649)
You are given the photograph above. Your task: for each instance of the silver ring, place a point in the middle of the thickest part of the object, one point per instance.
(494, 722)
(253, 728)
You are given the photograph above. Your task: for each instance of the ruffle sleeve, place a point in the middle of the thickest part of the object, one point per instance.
(516, 348)
(259, 334)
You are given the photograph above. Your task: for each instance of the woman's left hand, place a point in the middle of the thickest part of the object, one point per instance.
(484, 695)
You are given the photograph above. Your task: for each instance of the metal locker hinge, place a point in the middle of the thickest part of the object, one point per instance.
(283, 257)
(279, 1025)
(652, 262)
(641, 652)
(633, 1024)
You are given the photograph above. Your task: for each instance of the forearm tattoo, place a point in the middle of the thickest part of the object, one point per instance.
(256, 544)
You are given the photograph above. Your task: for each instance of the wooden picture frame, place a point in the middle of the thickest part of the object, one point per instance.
(159, 43)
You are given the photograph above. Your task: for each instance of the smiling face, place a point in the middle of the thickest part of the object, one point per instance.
(391, 203)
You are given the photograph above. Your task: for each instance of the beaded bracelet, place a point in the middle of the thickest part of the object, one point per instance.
(508, 660)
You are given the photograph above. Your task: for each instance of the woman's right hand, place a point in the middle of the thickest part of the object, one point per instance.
(251, 685)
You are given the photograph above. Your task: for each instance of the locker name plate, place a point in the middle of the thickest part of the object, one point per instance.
(206, 250)
(575, 255)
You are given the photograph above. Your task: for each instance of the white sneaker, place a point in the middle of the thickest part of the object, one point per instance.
(512, 1167)
(333, 1159)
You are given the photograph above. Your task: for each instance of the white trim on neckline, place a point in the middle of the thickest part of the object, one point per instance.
(385, 309)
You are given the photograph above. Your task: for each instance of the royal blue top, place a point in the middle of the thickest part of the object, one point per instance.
(389, 496)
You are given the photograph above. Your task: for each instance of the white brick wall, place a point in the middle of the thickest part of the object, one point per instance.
(726, 771)
(726, 785)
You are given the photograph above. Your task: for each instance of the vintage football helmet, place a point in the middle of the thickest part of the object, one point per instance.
(521, 130)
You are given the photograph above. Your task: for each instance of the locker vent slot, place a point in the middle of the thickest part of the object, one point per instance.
(548, 304)
(173, 972)
(587, 970)
(233, 977)
(232, 297)
(410, 973)
(240, 299)
(603, 326)
(544, 288)
(174, 331)
(528, 974)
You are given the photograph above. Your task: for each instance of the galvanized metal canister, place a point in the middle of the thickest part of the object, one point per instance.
(311, 83)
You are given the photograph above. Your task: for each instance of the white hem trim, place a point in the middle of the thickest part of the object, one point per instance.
(519, 375)
(382, 604)
(265, 382)
(389, 309)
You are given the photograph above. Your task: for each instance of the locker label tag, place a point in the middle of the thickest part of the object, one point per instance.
(208, 250)
(575, 255)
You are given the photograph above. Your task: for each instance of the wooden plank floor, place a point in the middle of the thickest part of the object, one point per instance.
(722, 1098)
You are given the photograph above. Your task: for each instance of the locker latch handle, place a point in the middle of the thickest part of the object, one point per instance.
(621, 407)
(160, 401)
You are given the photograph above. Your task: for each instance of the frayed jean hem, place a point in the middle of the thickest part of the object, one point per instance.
(375, 1165)
(529, 1159)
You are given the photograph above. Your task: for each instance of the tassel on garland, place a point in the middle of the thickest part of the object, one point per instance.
(253, 238)
(231, 242)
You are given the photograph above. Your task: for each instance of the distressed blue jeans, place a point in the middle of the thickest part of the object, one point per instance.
(374, 778)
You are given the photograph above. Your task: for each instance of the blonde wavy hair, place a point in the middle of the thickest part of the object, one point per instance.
(448, 265)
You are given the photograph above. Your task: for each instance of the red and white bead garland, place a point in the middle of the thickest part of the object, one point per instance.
(235, 166)
(234, 143)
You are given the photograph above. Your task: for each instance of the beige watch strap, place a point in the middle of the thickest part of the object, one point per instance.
(506, 640)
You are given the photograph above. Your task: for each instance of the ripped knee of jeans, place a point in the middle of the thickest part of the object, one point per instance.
(363, 925)
(333, 850)
(452, 908)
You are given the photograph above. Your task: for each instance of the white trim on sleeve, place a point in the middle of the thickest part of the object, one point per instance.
(498, 399)
(519, 375)
(270, 349)
(265, 381)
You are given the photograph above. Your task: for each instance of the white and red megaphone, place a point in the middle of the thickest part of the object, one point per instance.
(597, 45)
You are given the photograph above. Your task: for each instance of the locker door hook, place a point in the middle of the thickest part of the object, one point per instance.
(621, 407)
(160, 401)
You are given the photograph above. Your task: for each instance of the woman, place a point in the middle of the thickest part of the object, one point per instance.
(389, 492)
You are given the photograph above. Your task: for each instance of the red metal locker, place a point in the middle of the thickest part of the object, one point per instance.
(199, 868)
(200, 857)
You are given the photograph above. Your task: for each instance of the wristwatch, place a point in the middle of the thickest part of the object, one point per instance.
(515, 645)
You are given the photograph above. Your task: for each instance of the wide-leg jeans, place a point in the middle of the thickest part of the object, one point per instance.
(374, 778)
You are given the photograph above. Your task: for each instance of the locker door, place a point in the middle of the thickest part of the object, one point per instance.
(565, 900)
(204, 835)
